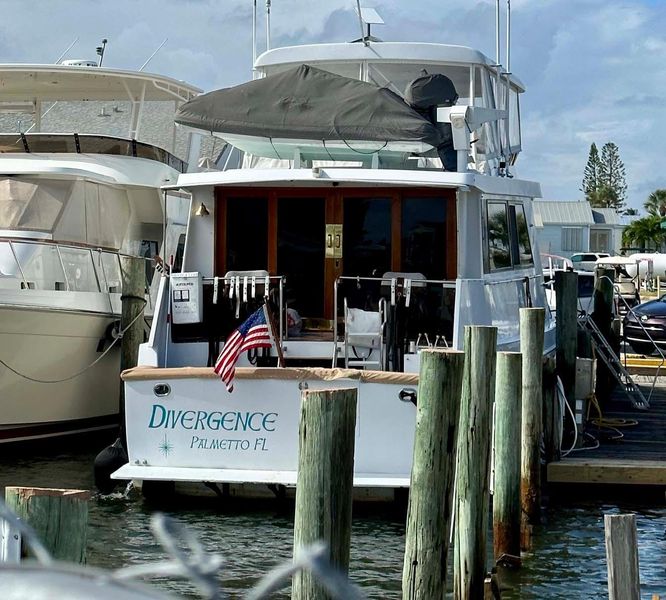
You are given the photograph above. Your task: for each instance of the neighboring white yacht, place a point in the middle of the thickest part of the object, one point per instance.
(78, 189)
(355, 222)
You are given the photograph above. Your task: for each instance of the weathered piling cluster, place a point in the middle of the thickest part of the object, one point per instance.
(461, 407)
(482, 417)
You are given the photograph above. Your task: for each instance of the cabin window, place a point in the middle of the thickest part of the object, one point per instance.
(572, 239)
(367, 236)
(79, 269)
(40, 264)
(499, 256)
(247, 234)
(109, 273)
(423, 236)
(508, 236)
(523, 237)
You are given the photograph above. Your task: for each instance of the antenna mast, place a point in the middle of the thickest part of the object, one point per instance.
(268, 24)
(100, 51)
(498, 58)
(57, 60)
(508, 36)
(254, 33)
(153, 54)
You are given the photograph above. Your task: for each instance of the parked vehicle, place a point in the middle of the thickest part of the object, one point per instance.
(585, 290)
(645, 326)
(587, 261)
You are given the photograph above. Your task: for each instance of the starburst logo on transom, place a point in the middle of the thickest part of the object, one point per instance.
(165, 446)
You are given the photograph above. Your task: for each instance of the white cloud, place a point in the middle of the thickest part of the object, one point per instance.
(594, 69)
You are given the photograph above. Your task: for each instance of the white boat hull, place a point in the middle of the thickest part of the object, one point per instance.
(52, 345)
(200, 432)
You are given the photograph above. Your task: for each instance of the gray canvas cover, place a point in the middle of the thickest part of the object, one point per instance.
(312, 104)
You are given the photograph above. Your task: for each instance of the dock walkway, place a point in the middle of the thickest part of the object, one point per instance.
(639, 458)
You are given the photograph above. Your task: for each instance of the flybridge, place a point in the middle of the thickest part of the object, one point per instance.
(28, 83)
(26, 88)
(489, 139)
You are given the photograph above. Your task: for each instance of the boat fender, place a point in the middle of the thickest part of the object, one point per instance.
(106, 462)
(111, 333)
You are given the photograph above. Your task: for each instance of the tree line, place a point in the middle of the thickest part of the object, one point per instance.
(605, 186)
(604, 183)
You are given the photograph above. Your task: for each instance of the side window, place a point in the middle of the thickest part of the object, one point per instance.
(576, 258)
(523, 234)
(499, 255)
(79, 269)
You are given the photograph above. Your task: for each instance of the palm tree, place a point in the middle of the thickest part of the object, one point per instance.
(656, 203)
(645, 233)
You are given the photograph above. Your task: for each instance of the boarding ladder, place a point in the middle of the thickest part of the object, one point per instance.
(605, 352)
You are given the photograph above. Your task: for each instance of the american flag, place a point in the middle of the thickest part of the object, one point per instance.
(253, 333)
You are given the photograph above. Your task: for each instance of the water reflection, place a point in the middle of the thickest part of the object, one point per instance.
(568, 559)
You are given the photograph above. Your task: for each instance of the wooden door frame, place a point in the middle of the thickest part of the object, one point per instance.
(334, 197)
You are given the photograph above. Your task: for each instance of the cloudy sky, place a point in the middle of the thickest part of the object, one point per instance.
(595, 70)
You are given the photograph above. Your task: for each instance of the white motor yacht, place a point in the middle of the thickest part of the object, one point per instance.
(377, 214)
(81, 167)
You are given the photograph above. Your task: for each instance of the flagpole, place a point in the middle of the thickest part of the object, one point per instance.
(278, 342)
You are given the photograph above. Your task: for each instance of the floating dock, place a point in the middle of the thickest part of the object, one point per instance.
(638, 457)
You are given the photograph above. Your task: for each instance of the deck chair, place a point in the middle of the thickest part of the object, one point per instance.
(364, 336)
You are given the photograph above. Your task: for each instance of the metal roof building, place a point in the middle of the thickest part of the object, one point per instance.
(565, 228)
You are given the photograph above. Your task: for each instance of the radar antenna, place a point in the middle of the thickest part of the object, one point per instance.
(100, 51)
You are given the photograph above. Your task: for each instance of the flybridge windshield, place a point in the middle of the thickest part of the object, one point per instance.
(86, 144)
(113, 119)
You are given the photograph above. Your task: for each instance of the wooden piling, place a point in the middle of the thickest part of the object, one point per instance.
(59, 518)
(133, 302)
(566, 329)
(506, 495)
(622, 557)
(325, 481)
(433, 470)
(473, 462)
(603, 318)
(531, 347)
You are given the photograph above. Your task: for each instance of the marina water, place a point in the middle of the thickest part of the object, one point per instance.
(568, 559)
